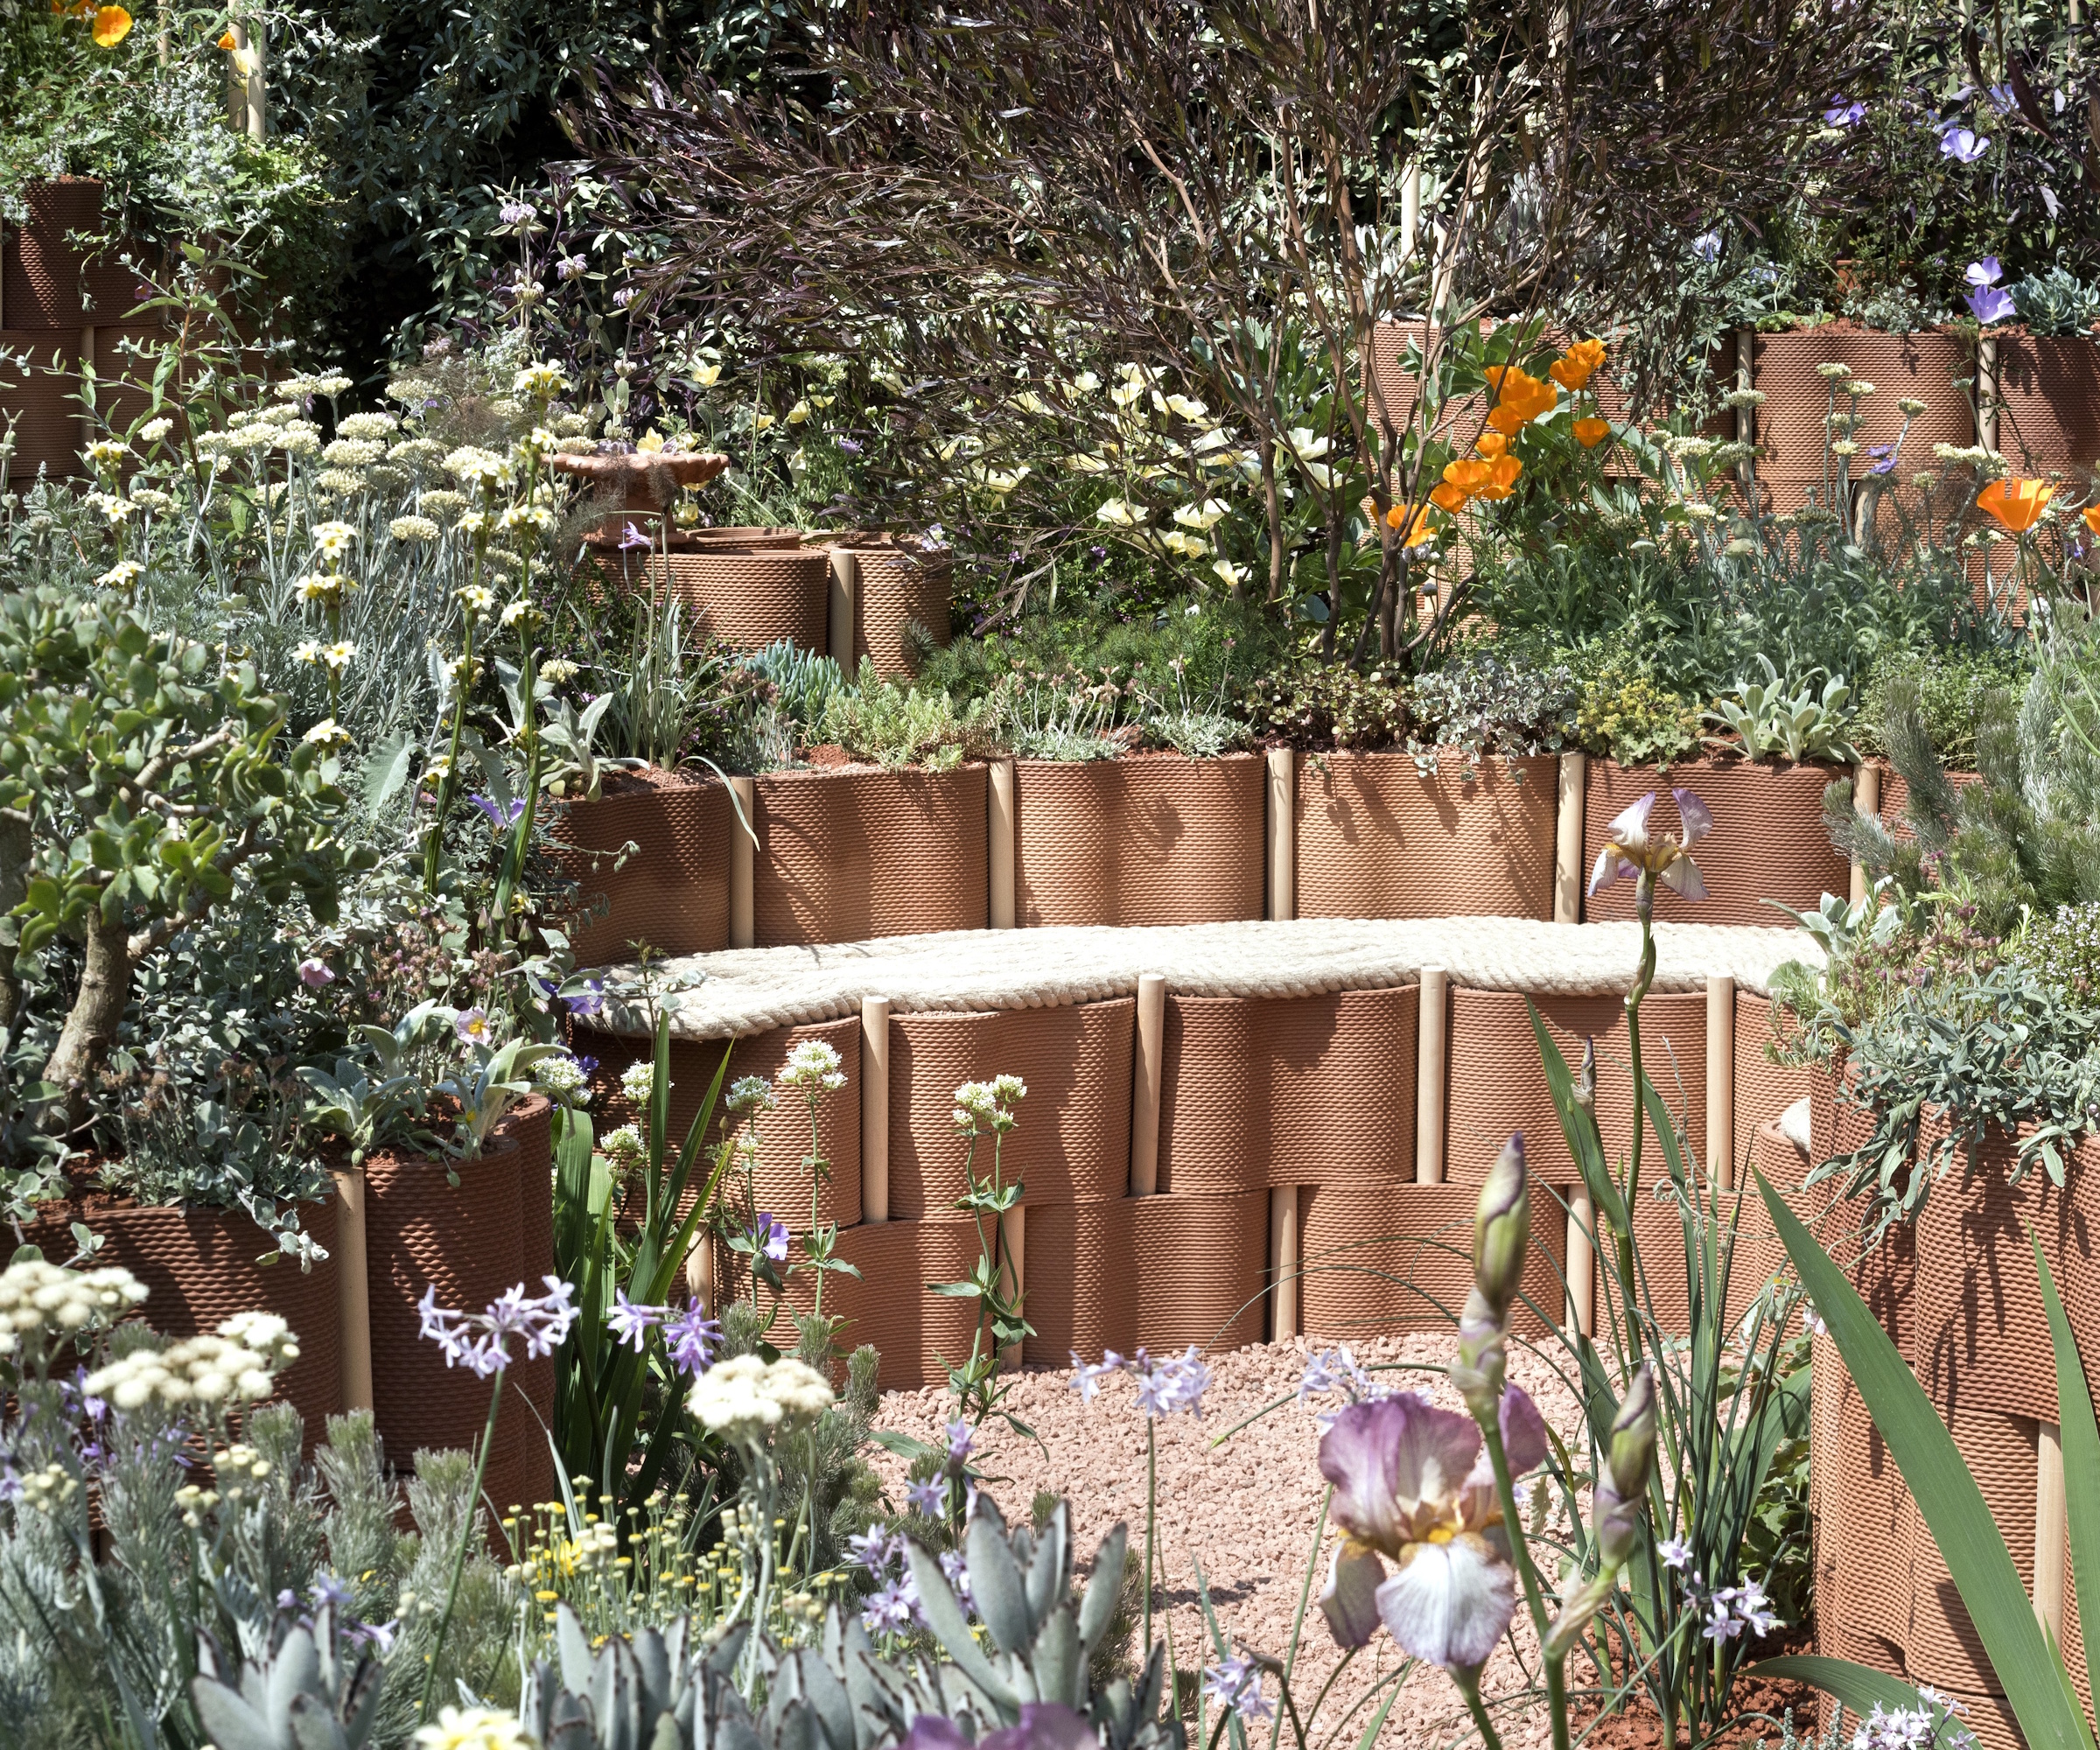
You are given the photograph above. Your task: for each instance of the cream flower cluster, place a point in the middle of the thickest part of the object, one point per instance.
(235, 1364)
(745, 1398)
(41, 1298)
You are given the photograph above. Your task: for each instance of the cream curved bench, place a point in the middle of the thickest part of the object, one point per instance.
(1232, 1130)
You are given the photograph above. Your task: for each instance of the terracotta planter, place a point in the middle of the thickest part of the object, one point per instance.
(1768, 840)
(636, 476)
(47, 433)
(1981, 1335)
(1383, 1260)
(2049, 401)
(1862, 1543)
(751, 596)
(1377, 839)
(672, 891)
(1763, 1088)
(847, 854)
(1298, 1090)
(921, 1334)
(1074, 1142)
(1153, 838)
(1497, 1085)
(199, 1266)
(469, 1243)
(1162, 1271)
(899, 587)
(46, 280)
(781, 1181)
(1901, 367)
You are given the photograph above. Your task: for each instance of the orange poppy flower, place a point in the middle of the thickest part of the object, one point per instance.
(2092, 514)
(1590, 432)
(1449, 498)
(1468, 475)
(112, 25)
(1573, 369)
(2017, 504)
(1492, 445)
(1501, 478)
(1419, 532)
(226, 41)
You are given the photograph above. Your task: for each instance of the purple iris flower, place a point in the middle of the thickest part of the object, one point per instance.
(1990, 303)
(502, 815)
(1963, 145)
(634, 538)
(1844, 113)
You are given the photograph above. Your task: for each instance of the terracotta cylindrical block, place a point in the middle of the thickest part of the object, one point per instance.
(752, 597)
(903, 596)
(44, 395)
(1433, 1073)
(921, 1334)
(672, 891)
(2049, 401)
(1922, 366)
(1381, 1260)
(1943, 1647)
(1763, 1090)
(46, 281)
(998, 848)
(198, 1268)
(848, 855)
(1864, 1560)
(1152, 839)
(1720, 1077)
(779, 1182)
(1293, 1090)
(1162, 1271)
(1768, 840)
(1497, 1084)
(1073, 1141)
(1377, 838)
(875, 1109)
(1981, 1335)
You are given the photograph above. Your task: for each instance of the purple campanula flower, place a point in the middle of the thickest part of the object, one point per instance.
(770, 1236)
(1963, 145)
(1990, 303)
(1844, 113)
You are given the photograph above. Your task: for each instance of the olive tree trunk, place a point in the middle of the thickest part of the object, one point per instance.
(96, 1014)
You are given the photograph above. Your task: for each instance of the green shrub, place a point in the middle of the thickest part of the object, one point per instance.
(1626, 714)
(2064, 953)
(901, 726)
(1950, 687)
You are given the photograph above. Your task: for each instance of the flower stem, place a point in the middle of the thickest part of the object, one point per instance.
(466, 1536)
(1152, 1514)
(1469, 1686)
(1505, 1489)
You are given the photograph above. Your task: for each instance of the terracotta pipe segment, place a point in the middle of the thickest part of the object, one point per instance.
(1282, 833)
(353, 1294)
(1284, 1261)
(845, 607)
(1013, 1269)
(875, 1109)
(2051, 1531)
(1582, 1263)
(1720, 1078)
(1866, 799)
(998, 845)
(1986, 393)
(1146, 1086)
(700, 1272)
(1568, 842)
(1431, 1077)
(742, 859)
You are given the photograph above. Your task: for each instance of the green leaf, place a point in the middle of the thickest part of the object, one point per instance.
(1860, 1687)
(1953, 1507)
(1576, 1126)
(2081, 1453)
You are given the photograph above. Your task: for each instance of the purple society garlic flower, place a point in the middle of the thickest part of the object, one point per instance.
(1673, 1553)
(877, 1549)
(1044, 1725)
(928, 1498)
(1628, 850)
(1087, 1375)
(1236, 1682)
(692, 1339)
(961, 1438)
(1413, 1485)
(630, 1322)
(891, 1610)
(479, 1342)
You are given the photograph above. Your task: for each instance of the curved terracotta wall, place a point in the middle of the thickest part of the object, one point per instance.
(1161, 1271)
(1152, 838)
(1763, 1090)
(1999, 1452)
(2049, 401)
(847, 855)
(1497, 1085)
(1380, 1260)
(1377, 839)
(1790, 424)
(672, 891)
(1287, 1091)
(1073, 1141)
(1863, 1544)
(921, 1335)
(754, 598)
(781, 1181)
(896, 589)
(1768, 840)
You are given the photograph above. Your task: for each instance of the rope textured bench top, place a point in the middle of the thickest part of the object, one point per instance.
(750, 990)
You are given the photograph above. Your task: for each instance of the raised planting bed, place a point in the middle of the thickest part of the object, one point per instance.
(200, 1268)
(469, 1243)
(1768, 841)
(1258, 1092)
(1377, 838)
(1074, 1142)
(850, 852)
(47, 282)
(1383, 1260)
(44, 395)
(1895, 797)
(1860, 1504)
(1921, 367)
(1763, 1090)
(1151, 838)
(672, 889)
(751, 597)
(899, 585)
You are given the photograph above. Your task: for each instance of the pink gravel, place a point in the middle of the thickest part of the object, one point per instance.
(1245, 1506)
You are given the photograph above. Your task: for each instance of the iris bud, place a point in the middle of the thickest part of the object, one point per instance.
(1633, 1438)
(1585, 1079)
(1501, 1229)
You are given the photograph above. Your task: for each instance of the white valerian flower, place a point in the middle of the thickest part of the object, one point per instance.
(744, 1398)
(638, 1082)
(813, 1065)
(625, 1148)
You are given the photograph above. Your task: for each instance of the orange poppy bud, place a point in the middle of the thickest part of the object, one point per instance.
(112, 25)
(1590, 432)
(2017, 504)
(1492, 445)
(1449, 498)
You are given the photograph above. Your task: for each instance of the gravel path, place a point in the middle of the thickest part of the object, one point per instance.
(1245, 1508)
